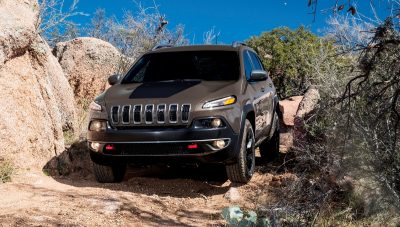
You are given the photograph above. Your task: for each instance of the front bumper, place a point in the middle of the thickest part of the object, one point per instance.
(163, 145)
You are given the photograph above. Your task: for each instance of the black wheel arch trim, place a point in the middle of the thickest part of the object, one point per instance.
(246, 109)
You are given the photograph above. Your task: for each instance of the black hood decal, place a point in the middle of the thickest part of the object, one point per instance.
(161, 89)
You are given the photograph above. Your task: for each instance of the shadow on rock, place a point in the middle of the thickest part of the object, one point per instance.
(73, 162)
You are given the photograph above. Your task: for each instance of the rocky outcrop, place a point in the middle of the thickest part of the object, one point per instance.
(61, 89)
(35, 99)
(308, 103)
(294, 111)
(306, 107)
(288, 108)
(18, 20)
(87, 63)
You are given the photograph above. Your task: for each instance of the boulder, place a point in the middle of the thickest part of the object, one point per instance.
(35, 99)
(87, 63)
(294, 111)
(18, 19)
(308, 103)
(60, 86)
(31, 127)
(306, 107)
(288, 108)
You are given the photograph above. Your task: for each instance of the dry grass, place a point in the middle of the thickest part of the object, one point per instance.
(6, 171)
(69, 137)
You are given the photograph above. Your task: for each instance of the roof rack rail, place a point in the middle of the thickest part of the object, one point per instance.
(162, 46)
(237, 43)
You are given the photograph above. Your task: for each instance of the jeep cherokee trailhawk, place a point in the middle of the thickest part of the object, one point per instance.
(202, 104)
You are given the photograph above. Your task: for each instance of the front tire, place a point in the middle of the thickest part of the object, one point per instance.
(243, 169)
(109, 174)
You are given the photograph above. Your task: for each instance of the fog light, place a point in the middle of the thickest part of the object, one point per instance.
(95, 146)
(219, 144)
(97, 125)
(215, 123)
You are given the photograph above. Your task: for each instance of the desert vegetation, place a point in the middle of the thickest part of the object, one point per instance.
(6, 171)
(346, 159)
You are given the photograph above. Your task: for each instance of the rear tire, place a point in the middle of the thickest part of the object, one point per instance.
(109, 174)
(269, 149)
(243, 169)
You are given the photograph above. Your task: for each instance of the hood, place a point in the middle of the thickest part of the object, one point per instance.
(169, 92)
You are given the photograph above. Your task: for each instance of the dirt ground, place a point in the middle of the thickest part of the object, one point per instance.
(148, 196)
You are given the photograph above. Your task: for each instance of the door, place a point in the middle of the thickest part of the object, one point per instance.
(255, 92)
(266, 103)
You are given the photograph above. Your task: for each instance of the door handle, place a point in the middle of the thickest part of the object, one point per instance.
(262, 89)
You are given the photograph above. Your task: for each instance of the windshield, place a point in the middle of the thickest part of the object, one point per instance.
(185, 65)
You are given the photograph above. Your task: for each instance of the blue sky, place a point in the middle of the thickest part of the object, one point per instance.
(234, 19)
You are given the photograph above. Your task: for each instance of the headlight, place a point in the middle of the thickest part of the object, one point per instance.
(97, 125)
(94, 106)
(220, 102)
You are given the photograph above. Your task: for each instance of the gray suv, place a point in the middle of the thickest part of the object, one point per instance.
(190, 104)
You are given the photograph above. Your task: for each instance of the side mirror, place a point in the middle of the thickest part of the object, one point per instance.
(258, 75)
(113, 79)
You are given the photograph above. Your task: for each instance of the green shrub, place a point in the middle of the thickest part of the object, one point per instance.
(234, 216)
(69, 137)
(291, 56)
(6, 171)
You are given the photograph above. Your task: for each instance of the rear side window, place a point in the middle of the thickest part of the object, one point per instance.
(256, 61)
(247, 64)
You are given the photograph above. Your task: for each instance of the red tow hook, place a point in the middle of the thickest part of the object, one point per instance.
(192, 146)
(110, 147)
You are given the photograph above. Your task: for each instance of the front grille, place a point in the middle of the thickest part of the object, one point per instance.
(173, 113)
(115, 114)
(185, 112)
(149, 115)
(161, 113)
(126, 113)
(137, 114)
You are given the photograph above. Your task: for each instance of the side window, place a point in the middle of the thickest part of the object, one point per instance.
(247, 64)
(256, 61)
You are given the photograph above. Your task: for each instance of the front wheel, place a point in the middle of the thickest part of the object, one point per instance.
(109, 174)
(243, 169)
